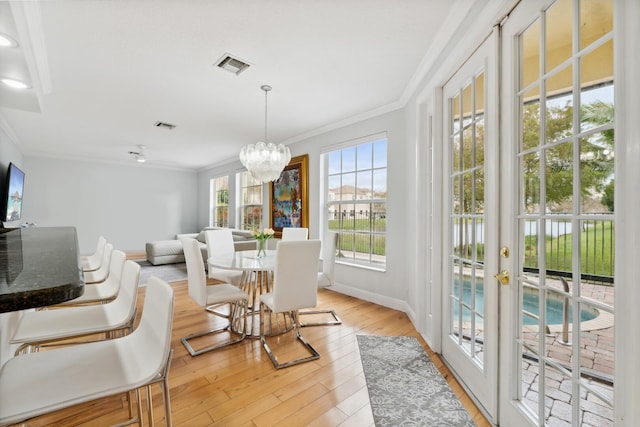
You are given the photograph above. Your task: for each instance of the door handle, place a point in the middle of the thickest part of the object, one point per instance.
(503, 277)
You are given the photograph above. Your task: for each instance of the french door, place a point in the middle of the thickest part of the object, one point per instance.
(528, 297)
(470, 299)
(558, 149)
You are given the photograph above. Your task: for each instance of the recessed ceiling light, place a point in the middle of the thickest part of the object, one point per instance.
(14, 83)
(7, 41)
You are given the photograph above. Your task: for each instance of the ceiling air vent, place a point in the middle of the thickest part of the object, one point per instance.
(163, 125)
(232, 64)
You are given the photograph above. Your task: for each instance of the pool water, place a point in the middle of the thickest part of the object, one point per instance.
(530, 304)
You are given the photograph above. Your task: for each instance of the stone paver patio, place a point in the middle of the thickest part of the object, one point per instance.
(596, 352)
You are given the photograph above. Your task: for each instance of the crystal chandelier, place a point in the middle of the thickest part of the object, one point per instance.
(265, 160)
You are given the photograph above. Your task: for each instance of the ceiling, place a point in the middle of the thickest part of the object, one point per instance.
(104, 72)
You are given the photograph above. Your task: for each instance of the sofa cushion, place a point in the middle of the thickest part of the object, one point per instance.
(200, 238)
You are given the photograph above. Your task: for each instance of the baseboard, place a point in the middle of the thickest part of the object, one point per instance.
(385, 301)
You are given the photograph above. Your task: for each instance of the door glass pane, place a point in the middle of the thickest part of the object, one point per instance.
(596, 404)
(457, 194)
(480, 234)
(530, 69)
(479, 336)
(558, 246)
(597, 172)
(455, 111)
(529, 381)
(530, 245)
(467, 196)
(479, 152)
(467, 148)
(456, 148)
(557, 383)
(559, 94)
(558, 33)
(531, 118)
(479, 95)
(467, 105)
(596, 20)
(559, 178)
(479, 185)
(596, 83)
(530, 169)
(597, 250)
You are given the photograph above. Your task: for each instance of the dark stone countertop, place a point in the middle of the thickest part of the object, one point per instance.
(39, 266)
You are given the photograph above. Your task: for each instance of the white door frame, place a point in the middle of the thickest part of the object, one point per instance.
(627, 208)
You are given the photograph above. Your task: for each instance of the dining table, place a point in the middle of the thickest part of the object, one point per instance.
(257, 279)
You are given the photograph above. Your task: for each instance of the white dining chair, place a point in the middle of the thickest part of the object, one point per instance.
(294, 233)
(49, 327)
(325, 278)
(294, 288)
(35, 384)
(101, 274)
(102, 292)
(92, 262)
(212, 297)
(220, 243)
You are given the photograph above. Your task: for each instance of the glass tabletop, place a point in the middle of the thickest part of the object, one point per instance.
(245, 260)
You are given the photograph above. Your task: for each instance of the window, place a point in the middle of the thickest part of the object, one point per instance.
(356, 200)
(220, 202)
(250, 202)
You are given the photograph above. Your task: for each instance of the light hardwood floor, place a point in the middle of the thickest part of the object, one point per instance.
(238, 385)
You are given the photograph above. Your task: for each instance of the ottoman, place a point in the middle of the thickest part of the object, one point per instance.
(164, 252)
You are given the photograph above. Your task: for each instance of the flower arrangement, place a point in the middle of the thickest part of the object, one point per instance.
(265, 234)
(262, 237)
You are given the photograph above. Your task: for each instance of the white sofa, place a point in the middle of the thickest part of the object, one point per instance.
(170, 251)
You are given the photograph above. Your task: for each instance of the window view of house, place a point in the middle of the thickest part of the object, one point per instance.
(356, 201)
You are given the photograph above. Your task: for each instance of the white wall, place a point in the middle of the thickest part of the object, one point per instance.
(128, 205)
(391, 287)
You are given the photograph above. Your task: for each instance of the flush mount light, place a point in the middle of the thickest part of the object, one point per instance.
(7, 41)
(14, 83)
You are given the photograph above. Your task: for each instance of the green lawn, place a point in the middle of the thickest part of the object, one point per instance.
(352, 240)
(596, 245)
(596, 250)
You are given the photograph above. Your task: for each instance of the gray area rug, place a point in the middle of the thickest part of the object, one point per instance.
(405, 387)
(166, 272)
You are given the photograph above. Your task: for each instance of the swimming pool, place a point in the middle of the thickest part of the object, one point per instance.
(530, 304)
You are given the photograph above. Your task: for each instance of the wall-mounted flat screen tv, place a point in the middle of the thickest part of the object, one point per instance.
(14, 188)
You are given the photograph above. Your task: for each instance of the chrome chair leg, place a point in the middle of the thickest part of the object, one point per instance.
(336, 320)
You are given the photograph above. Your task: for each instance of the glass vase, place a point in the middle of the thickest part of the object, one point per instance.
(262, 248)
